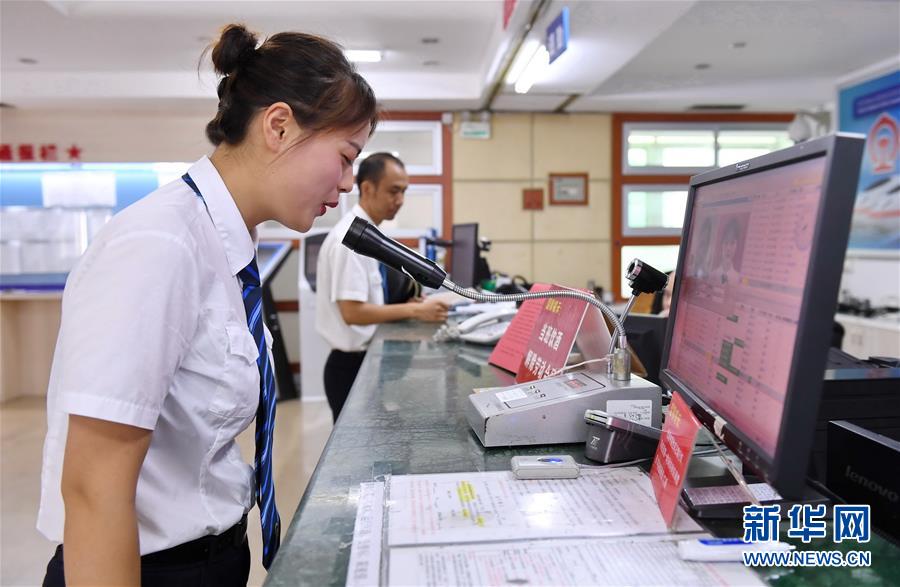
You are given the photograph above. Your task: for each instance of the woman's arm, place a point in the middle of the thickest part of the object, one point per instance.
(99, 481)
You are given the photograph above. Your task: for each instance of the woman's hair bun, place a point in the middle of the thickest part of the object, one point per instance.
(236, 45)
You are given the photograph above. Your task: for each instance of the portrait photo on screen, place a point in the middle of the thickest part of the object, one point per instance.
(730, 248)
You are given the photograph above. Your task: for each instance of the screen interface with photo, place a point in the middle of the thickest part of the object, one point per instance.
(745, 267)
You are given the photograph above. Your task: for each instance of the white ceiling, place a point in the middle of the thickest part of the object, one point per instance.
(622, 55)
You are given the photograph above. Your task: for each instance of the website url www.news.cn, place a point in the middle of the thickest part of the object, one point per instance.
(809, 558)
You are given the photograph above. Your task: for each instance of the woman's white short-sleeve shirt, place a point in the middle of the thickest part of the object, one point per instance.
(154, 335)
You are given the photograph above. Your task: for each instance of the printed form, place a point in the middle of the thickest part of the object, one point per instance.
(365, 554)
(494, 506)
(492, 529)
(585, 561)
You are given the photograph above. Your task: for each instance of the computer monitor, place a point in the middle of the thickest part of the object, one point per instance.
(311, 246)
(755, 294)
(464, 254)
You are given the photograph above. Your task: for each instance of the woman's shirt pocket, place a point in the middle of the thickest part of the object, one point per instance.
(238, 391)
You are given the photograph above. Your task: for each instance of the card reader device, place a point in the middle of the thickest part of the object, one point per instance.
(613, 439)
(544, 467)
(551, 410)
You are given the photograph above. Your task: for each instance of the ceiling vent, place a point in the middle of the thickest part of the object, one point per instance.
(728, 107)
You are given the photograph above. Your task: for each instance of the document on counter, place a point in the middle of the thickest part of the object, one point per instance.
(494, 506)
(584, 561)
(365, 554)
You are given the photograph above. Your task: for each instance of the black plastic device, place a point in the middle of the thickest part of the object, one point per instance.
(363, 238)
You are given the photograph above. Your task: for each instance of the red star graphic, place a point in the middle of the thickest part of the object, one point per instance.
(74, 152)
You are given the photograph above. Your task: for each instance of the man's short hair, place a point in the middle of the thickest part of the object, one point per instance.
(372, 168)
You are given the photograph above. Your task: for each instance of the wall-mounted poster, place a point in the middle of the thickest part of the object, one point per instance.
(872, 108)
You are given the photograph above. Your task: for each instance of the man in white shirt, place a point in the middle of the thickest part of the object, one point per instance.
(350, 299)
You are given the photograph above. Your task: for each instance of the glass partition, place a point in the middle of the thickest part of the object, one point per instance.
(50, 212)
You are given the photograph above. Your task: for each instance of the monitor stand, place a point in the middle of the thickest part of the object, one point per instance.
(724, 495)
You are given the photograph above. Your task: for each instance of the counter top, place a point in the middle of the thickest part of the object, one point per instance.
(406, 415)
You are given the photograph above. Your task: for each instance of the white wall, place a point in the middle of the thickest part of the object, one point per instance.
(569, 245)
(110, 136)
(875, 279)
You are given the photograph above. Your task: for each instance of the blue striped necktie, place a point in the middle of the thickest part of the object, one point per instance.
(265, 415)
(265, 412)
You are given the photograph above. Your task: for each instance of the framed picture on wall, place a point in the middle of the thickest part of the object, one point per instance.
(569, 189)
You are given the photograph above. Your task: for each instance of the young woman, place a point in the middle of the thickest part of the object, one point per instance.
(727, 272)
(162, 360)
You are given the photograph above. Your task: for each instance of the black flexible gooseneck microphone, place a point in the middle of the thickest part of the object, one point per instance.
(365, 239)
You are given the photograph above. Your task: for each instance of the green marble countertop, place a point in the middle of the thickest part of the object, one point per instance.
(406, 415)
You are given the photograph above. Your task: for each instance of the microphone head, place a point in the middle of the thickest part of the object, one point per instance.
(354, 233)
(365, 239)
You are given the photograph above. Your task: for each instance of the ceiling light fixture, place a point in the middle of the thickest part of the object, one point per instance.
(362, 55)
(526, 52)
(535, 69)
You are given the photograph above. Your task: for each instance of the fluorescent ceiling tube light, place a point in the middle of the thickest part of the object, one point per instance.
(526, 52)
(362, 55)
(535, 69)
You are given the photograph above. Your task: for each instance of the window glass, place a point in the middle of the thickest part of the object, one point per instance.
(416, 143)
(740, 145)
(422, 210)
(688, 148)
(671, 148)
(653, 210)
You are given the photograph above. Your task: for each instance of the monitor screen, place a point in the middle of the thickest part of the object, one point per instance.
(464, 254)
(755, 296)
(746, 265)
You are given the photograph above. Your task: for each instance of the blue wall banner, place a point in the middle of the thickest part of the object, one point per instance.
(873, 108)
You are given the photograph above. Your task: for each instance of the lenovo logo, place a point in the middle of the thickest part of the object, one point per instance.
(742, 166)
(872, 486)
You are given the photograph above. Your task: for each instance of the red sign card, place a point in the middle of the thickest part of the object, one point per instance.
(511, 348)
(673, 456)
(552, 337)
